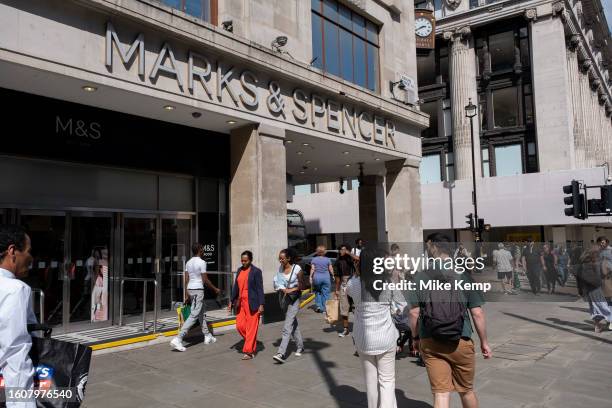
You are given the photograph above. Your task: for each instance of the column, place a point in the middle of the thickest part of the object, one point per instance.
(585, 102)
(257, 195)
(573, 74)
(403, 203)
(463, 87)
(551, 92)
(372, 209)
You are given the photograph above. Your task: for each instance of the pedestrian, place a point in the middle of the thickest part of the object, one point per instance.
(374, 331)
(346, 270)
(196, 279)
(563, 266)
(15, 312)
(502, 261)
(549, 267)
(286, 283)
(320, 278)
(356, 250)
(532, 264)
(588, 280)
(605, 258)
(442, 320)
(248, 300)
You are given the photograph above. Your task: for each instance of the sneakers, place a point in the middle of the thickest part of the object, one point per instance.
(344, 333)
(209, 339)
(299, 352)
(177, 344)
(279, 357)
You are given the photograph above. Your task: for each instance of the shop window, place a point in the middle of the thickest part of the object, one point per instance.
(508, 160)
(197, 8)
(486, 172)
(505, 107)
(344, 43)
(501, 48)
(430, 169)
(431, 108)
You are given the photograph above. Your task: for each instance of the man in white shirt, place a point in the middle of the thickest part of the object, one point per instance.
(15, 312)
(196, 279)
(503, 260)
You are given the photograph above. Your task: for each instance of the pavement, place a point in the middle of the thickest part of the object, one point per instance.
(546, 354)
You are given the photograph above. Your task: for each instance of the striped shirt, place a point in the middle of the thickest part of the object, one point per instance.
(374, 331)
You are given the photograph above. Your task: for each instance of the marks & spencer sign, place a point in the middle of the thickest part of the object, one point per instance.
(221, 83)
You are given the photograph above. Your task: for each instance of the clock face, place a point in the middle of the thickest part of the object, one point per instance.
(423, 27)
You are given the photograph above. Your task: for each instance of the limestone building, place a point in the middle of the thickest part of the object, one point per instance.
(143, 126)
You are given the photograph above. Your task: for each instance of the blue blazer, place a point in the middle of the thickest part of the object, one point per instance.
(255, 284)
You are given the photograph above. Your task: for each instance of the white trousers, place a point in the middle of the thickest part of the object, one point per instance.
(379, 372)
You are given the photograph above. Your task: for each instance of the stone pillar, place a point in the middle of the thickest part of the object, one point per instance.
(585, 102)
(551, 92)
(573, 75)
(257, 196)
(403, 203)
(463, 87)
(372, 209)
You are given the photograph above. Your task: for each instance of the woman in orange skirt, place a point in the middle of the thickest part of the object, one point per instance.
(248, 298)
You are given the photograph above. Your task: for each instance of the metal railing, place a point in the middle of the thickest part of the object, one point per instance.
(144, 281)
(41, 305)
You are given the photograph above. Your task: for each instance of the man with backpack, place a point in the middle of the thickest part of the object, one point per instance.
(442, 320)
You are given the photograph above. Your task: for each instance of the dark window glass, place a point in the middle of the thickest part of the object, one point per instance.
(172, 3)
(438, 4)
(359, 25)
(508, 160)
(316, 5)
(345, 18)
(482, 105)
(529, 109)
(444, 68)
(431, 108)
(332, 62)
(450, 167)
(501, 47)
(525, 59)
(330, 9)
(426, 69)
(359, 56)
(486, 171)
(346, 55)
(194, 8)
(317, 42)
(505, 107)
(480, 58)
(372, 66)
(372, 32)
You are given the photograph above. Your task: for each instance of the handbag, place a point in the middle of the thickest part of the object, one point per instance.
(286, 299)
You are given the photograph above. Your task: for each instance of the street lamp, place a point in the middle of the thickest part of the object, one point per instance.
(470, 112)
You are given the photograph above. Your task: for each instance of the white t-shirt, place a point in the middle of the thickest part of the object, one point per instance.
(196, 266)
(356, 251)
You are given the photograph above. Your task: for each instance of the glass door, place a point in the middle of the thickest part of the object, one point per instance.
(90, 268)
(48, 234)
(175, 251)
(139, 260)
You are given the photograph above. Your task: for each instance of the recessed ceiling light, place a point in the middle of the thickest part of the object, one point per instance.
(305, 144)
(299, 153)
(347, 165)
(308, 161)
(169, 107)
(230, 122)
(345, 152)
(377, 159)
(289, 141)
(89, 88)
(316, 168)
(302, 172)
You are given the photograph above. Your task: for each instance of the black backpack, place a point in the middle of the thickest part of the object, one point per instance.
(443, 314)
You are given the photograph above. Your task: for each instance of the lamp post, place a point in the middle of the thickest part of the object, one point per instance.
(470, 112)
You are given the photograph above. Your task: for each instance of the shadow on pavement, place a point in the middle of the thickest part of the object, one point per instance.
(565, 329)
(575, 325)
(240, 344)
(576, 309)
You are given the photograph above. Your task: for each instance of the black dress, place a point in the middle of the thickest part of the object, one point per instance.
(551, 271)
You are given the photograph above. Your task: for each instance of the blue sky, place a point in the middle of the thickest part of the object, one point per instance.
(607, 6)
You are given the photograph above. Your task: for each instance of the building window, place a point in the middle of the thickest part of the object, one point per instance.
(505, 107)
(486, 172)
(447, 119)
(501, 47)
(196, 8)
(508, 160)
(344, 43)
(430, 169)
(431, 108)
(426, 69)
(450, 167)
(302, 189)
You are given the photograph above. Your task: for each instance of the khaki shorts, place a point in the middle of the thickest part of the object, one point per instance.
(450, 366)
(343, 297)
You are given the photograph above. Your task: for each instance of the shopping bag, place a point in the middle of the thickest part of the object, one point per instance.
(332, 306)
(60, 366)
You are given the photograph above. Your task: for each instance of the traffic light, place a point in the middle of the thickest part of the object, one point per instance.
(481, 224)
(606, 199)
(470, 221)
(575, 200)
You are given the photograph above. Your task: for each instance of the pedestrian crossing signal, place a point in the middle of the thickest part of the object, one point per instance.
(575, 200)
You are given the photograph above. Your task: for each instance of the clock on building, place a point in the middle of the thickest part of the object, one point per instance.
(425, 29)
